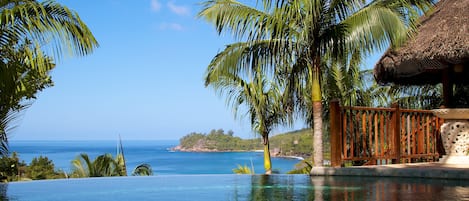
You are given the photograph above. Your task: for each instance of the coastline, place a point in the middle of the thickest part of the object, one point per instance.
(179, 148)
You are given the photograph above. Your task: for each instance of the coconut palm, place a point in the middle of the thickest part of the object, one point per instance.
(258, 95)
(32, 34)
(292, 39)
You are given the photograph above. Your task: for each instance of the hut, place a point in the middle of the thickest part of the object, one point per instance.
(437, 53)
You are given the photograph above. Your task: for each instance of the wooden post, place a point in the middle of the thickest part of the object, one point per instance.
(396, 133)
(447, 88)
(335, 128)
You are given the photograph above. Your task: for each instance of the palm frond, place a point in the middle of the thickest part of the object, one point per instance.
(47, 24)
(142, 170)
(243, 170)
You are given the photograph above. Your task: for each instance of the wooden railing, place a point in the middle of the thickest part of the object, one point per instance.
(370, 136)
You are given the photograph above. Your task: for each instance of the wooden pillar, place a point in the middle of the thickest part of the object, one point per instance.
(396, 133)
(447, 88)
(336, 134)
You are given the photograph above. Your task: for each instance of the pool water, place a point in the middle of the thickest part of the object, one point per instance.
(237, 187)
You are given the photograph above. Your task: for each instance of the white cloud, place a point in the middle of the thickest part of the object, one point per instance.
(179, 10)
(155, 5)
(171, 26)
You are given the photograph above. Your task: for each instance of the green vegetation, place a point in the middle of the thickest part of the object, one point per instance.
(103, 166)
(216, 140)
(34, 34)
(142, 170)
(106, 166)
(12, 169)
(243, 170)
(294, 43)
(303, 167)
(43, 168)
(295, 143)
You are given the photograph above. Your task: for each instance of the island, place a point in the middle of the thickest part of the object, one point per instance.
(295, 144)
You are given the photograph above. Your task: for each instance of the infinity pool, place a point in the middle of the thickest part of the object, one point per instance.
(237, 187)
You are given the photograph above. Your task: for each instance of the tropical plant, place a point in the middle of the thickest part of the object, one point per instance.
(19, 82)
(32, 34)
(102, 166)
(106, 165)
(243, 170)
(302, 167)
(11, 168)
(42, 168)
(142, 170)
(292, 38)
(258, 95)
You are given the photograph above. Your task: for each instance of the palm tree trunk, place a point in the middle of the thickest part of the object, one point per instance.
(267, 161)
(317, 115)
(317, 134)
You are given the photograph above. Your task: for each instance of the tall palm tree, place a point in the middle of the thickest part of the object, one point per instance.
(34, 34)
(292, 38)
(259, 95)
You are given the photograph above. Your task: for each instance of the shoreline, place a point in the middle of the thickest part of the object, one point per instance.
(180, 149)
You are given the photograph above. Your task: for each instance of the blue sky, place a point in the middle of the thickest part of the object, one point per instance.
(145, 81)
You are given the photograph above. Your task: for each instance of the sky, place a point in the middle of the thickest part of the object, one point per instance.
(143, 82)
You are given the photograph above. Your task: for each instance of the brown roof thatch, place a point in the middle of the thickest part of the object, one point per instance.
(442, 41)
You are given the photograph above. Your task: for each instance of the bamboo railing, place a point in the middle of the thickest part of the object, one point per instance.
(375, 136)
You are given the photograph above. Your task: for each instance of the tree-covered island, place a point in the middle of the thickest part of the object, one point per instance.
(296, 143)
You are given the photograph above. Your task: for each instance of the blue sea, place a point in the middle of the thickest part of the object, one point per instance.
(156, 153)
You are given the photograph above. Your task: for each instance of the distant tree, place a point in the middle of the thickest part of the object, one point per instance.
(42, 168)
(230, 133)
(11, 168)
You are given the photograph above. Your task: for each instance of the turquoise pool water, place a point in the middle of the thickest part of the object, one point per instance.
(237, 187)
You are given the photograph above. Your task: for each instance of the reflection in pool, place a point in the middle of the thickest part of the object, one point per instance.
(237, 187)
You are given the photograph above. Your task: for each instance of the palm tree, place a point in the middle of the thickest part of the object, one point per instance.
(32, 35)
(19, 82)
(103, 166)
(142, 170)
(292, 39)
(256, 93)
(50, 27)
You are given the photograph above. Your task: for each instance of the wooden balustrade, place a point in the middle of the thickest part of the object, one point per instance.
(370, 136)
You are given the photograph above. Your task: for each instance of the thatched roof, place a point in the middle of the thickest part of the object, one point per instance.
(442, 41)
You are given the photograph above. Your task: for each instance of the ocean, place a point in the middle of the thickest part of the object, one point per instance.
(156, 153)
